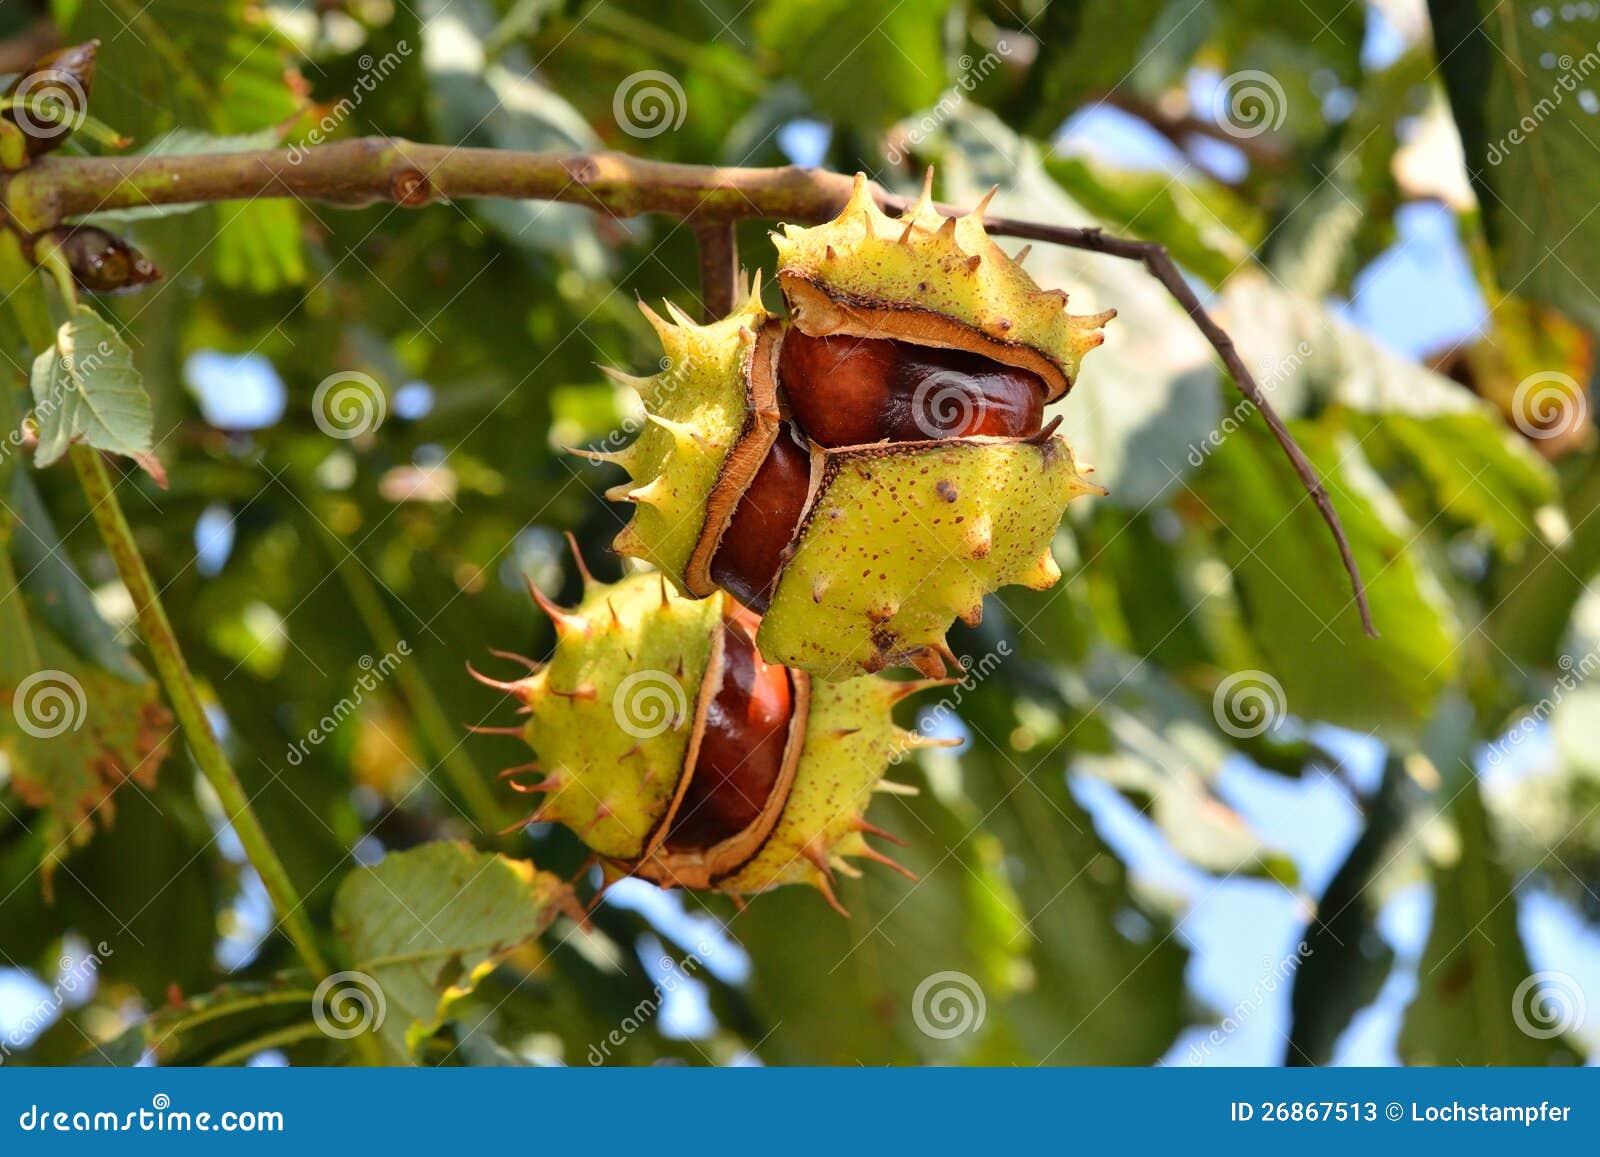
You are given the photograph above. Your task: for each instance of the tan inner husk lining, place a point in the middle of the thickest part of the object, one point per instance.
(748, 453)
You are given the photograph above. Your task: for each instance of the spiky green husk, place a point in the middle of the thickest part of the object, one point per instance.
(697, 408)
(933, 280)
(851, 737)
(627, 649)
(619, 789)
(903, 538)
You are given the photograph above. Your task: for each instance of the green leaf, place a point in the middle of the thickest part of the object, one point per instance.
(864, 63)
(258, 246)
(1108, 972)
(217, 65)
(220, 1026)
(1331, 37)
(25, 299)
(57, 597)
(1457, 446)
(501, 104)
(1478, 472)
(1168, 755)
(1516, 74)
(1207, 229)
(1293, 590)
(1548, 821)
(1093, 47)
(1347, 217)
(425, 925)
(1535, 600)
(213, 63)
(86, 388)
(151, 877)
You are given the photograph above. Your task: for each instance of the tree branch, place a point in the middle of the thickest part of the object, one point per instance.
(370, 170)
(719, 268)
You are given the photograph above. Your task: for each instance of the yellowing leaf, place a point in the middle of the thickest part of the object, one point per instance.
(422, 927)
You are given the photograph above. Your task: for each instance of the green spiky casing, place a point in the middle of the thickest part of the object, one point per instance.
(620, 789)
(897, 539)
(711, 417)
(850, 738)
(901, 539)
(932, 280)
(613, 786)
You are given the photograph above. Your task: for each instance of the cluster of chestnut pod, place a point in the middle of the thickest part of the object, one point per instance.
(817, 498)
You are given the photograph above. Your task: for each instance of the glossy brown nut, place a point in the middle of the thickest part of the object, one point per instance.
(850, 391)
(837, 387)
(742, 748)
(748, 558)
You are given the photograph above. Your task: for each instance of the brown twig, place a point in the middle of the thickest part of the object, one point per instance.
(372, 169)
(719, 268)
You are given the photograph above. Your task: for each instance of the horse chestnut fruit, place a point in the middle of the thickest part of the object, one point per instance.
(679, 754)
(866, 472)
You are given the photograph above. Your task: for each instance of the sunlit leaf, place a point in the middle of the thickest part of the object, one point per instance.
(87, 388)
(424, 926)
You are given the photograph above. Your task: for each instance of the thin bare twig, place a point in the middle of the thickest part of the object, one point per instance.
(373, 169)
(719, 268)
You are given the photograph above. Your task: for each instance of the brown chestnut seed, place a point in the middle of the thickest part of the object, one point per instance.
(851, 391)
(836, 386)
(748, 558)
(742, 748)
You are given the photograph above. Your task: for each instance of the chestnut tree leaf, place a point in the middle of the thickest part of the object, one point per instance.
(214, 1025)
(864, 63)
(921, 973)
(74, 734)
(1293, 593)
(86, 388)
(422, 927)
(1521, 82)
